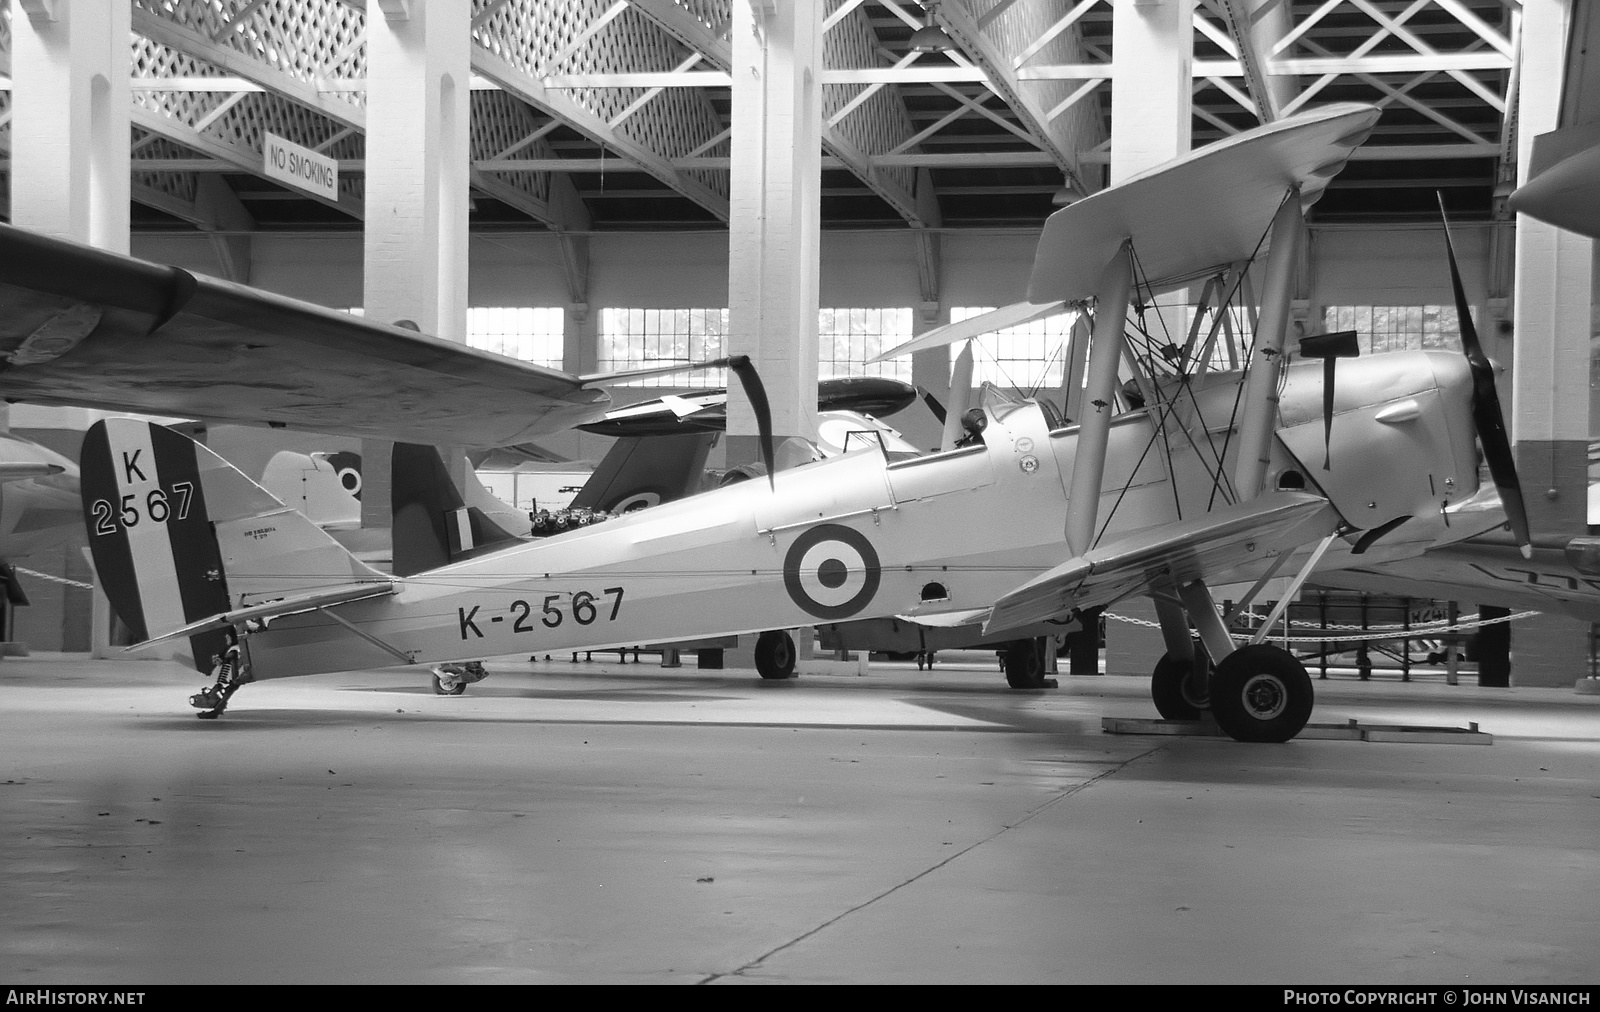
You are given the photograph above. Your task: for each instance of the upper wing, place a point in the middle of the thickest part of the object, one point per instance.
(1224, 541)
(1561, 187)
(1192, 215)
(82, 326)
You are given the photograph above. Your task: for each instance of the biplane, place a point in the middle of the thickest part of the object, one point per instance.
(1213, 476)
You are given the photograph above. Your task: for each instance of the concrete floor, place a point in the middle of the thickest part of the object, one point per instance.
(601, 822)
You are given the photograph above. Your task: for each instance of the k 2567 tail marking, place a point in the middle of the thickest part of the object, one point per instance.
(157, 506)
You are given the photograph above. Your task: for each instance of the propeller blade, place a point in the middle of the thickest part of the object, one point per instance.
(1486, 415)
(751, 381)
(933, 404)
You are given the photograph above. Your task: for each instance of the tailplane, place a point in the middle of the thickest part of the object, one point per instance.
(180, 536)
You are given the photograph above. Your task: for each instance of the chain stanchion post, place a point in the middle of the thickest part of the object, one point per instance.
(1322, 647)
(1405, 644)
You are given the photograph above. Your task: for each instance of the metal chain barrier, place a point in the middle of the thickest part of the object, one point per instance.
(55, 579)
(1371, 632)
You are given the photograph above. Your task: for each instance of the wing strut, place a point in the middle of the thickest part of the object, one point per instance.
(1293, 592)
(1259, 416)
(1094, 430)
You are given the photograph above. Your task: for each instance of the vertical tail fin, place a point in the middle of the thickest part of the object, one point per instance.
(179, 534)
(432, 525)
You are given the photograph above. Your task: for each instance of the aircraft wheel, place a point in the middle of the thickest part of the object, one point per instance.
(452, 687)
(1174, 697)
(1261, 693)
(775, 655)
(1024, 665)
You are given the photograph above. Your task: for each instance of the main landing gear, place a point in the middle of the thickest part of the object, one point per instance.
(775, 655)
(1180, 687)
(1024, 664)
(1256, 693)
(453, 679)
(1261, 693)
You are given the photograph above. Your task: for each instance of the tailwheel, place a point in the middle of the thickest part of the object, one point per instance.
(1179, 687)
(1024, 665)
(1261, 693)
(453, 679)
(775, 655)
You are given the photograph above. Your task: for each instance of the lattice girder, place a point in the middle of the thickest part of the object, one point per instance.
(877, 125)
(231, 125)
(522, 41)
(299, 48)
(1013, 29)
(885, 126)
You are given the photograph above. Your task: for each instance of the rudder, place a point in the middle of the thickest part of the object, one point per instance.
(179, 535)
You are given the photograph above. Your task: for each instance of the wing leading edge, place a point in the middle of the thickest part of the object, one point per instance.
(82, 326)
(1220, 542)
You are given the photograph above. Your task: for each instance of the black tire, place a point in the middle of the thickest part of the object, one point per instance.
(456, 688)
(1171, 692)
(1261, 693)
(1024, 665)
(775, 655)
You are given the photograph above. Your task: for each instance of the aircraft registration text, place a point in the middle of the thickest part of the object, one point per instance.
(549, 611)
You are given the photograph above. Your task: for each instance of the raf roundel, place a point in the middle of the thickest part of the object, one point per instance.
(831, 571)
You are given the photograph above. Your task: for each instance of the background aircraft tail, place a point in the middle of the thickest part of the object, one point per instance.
(641, 471)
(179, 535)
(432, 525)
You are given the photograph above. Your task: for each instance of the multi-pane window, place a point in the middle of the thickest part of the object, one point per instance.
(647, 338)
(847, 338)
(1028, 356)
(530, 333)
(1397, 328)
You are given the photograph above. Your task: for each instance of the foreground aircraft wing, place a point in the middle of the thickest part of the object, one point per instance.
(82, 326)
(1217, 542)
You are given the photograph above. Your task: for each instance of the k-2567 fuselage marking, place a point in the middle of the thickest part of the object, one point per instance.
(583, 607)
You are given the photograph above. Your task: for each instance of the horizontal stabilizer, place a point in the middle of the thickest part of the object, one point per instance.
(1192, 216)
(1217, 544)
(20, 470)
(293, 604)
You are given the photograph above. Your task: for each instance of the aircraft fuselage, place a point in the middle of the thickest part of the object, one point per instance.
(860, 536)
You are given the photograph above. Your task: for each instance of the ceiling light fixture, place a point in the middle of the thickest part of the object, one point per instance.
(930, 38)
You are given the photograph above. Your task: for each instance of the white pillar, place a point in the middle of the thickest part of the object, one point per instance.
(69, 122)
(1550, 337)
(1151, 84)
(418, 81)
(775, 214)
(69, 164)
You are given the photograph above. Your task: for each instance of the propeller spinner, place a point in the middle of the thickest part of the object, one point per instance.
(1486, 415)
